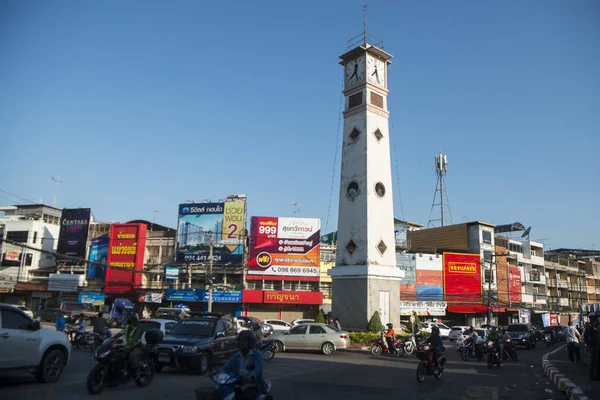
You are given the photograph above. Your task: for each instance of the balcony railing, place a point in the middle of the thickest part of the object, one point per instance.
(562, 283)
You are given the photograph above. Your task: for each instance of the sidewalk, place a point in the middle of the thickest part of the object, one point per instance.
(577, 373)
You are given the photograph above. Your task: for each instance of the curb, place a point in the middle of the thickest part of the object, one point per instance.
(563, 383)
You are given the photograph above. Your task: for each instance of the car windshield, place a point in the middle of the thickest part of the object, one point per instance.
(194, 328)
(456, 329)
(147, 325)
(480, 332)
(517, 328)
(442, 326)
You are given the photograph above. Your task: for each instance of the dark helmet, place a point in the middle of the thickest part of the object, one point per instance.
(593, 316)
(435, 329)
(493, 328)
(472, 328)
(132, 319)
(389, 325)
(246, 340)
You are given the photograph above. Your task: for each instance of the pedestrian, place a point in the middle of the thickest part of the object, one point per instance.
(60, 323)
(573, 338)
(592, 339)
(337, 324)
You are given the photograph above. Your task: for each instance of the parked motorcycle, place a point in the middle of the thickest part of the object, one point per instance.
(230, 387)
(267, 347)
(381, 347)
(427, 365)
(411, 344)
(493, 355)
(113, 366)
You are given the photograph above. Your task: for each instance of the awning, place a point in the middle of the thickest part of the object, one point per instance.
(474, 309)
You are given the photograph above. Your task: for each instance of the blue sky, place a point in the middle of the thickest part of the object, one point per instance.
(140, 105)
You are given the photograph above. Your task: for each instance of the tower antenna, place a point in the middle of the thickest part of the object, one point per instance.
(441, 167)
(365, 8)
(57, 182)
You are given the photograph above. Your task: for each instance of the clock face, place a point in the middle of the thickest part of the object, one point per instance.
(376, 71)
(355, 71)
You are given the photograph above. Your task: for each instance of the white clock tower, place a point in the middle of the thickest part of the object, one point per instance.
(365, 277)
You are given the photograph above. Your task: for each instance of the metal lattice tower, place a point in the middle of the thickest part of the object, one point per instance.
(441, 167)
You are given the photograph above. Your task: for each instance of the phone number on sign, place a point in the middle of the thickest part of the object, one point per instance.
(201, 257)
(295, 270)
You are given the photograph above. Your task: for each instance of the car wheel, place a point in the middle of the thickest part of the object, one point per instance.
(327, 348)
(202, 366)
(278, 346)
(51, 367)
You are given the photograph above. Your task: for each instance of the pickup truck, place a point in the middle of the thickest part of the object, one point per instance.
(196, 343)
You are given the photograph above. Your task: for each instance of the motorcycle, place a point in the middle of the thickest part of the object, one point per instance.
(493, 355)
(470, 349)
(229, 387)
(267, 348)
(549, 340)
(510, 351)
(427, 365)
(113, 365)
(381, 347)
(410, 345)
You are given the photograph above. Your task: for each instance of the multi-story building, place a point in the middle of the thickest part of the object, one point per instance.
(327, 262)
(29, 239)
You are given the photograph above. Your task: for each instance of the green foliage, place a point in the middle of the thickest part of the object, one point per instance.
(320, 318)
(375, 323)
(21, 303)
(368, 338)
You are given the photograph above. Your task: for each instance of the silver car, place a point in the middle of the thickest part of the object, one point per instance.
(311, 336)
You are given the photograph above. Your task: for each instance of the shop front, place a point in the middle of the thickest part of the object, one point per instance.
(284, 305)
(226, 302)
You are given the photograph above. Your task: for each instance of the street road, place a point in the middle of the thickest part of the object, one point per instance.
(343, 375)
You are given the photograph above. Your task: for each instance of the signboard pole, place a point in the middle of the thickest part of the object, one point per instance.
(209, 274)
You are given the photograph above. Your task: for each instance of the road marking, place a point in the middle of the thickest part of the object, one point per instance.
(480, 392)
(50, 392)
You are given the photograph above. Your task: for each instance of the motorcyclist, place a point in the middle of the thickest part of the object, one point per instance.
(496, 337)
(435, 340)
(133, 336)
(506, 341)
(101, 326)
(247, 363)
(390, 337)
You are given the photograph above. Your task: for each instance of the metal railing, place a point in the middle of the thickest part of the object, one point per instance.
(364, 38)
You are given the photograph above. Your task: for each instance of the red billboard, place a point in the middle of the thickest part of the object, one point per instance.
(284, 247)
(462, 278)
(125, 257)
(515, 284)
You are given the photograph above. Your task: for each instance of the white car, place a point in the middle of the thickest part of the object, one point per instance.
(165, 325)
(444, 330)
(302, 321)
(27, 347)
(456, 331)
(26, 311)
(278, 325)
(481, 333)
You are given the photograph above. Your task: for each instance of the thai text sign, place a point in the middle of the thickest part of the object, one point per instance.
(462, 278)
(125, 257)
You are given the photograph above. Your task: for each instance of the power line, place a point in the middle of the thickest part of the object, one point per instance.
(18, 197)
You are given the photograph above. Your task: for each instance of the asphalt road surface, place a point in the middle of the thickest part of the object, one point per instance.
(343, 375)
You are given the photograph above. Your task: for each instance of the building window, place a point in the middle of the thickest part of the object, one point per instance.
(17, 236)
(28, 259)
(326, 290)
(277, 285)
(34, 237)
(487, 237)
(487, 256)
(268, 285)
(287, 285)
(487, 274)
(376, 100)
(379, 189)
(378, 135)
(381, 247)
(352, 190)
(517, 248)
(354, 135)
(305, 286)
(351, 247)
(355, 100)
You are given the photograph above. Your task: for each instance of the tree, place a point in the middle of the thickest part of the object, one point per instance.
(375, 323)
(320, 318)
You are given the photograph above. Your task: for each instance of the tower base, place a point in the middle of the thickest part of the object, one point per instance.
(360, 290)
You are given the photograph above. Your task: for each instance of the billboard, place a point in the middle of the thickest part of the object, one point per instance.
(462, 278)
(203, 224)
(408, 284)
(423, 308)
(515, 284)
(93, 298)
(99, 255)
(125, 257)
(430, 282)
(285, 246)
(171, 273)
(73, 235)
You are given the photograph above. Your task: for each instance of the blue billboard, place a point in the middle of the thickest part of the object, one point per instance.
(94, 298)
(206, 227)
(98, 258)
(181, 295)
(221, 296)
(171, 273)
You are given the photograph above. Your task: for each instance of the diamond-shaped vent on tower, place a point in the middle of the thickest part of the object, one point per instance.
(381, 247)
(351, 247)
